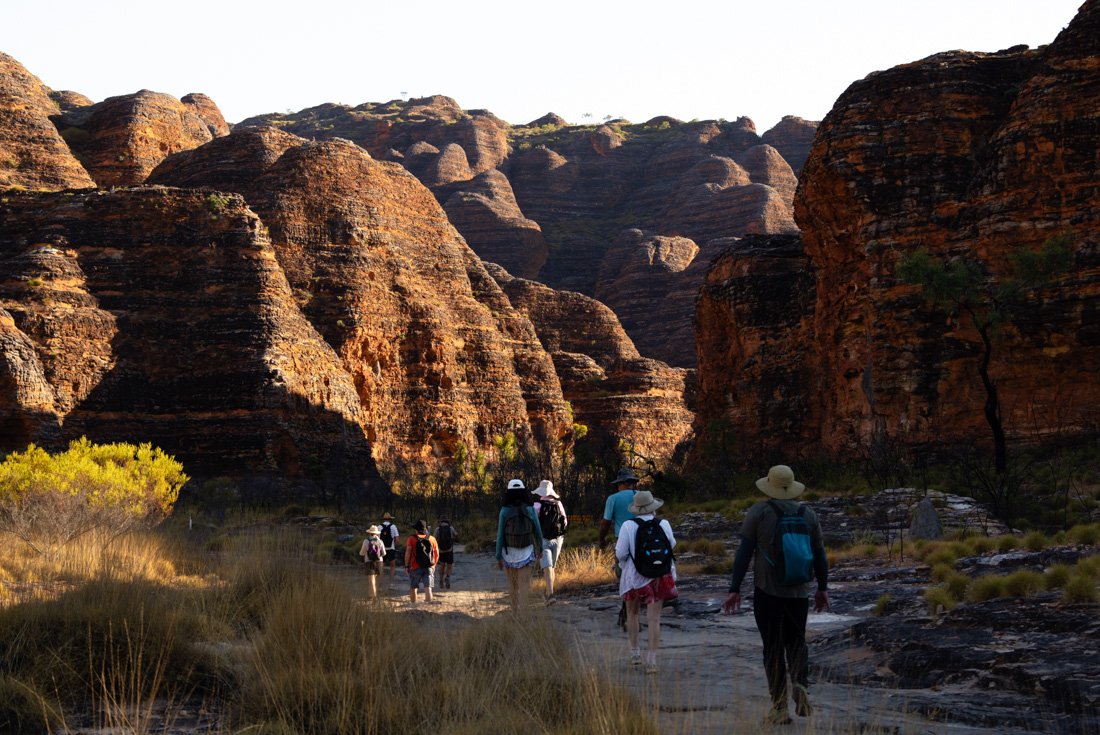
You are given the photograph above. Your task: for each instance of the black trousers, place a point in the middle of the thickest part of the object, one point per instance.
(782, 625)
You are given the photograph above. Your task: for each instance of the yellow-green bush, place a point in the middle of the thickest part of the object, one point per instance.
(1056, 576)
(1089, 567)
(1084, 534)
(1080, 589)
(941, 572)
(957, 585)
(936, 596)
(987, 587)
(1036, 541)
(1007, 543)
(1023, 583)
(982, 544)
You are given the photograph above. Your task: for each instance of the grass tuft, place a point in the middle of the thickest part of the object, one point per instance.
(1023, 583)
(1056, 576)
(1080, 589)
(987, 587)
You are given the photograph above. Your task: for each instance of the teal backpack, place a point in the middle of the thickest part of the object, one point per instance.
(794, 556)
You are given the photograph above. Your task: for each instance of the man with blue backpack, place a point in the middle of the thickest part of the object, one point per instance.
(789, 552)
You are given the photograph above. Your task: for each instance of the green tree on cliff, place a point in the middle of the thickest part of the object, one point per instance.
(960, 286)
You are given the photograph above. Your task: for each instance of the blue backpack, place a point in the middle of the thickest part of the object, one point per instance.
(794, 556)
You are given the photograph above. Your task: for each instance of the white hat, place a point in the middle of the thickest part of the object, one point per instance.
(780, 483)
(516, 485)
(644, 503)
(546, 490)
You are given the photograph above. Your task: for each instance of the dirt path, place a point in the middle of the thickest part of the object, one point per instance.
(711, 678)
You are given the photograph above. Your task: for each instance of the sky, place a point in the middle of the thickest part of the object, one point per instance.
(706, 59)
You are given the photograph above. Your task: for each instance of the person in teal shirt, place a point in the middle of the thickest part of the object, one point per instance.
(617, 508)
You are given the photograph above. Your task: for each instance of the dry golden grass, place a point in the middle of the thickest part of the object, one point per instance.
(582, 567)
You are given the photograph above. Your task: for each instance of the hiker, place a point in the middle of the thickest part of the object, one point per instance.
(445, 535)
(519, 542)
(421, 555)
(389, 538)
(790, 551)
(373, 552)
(552, 523)
(644, 550)
(617, 508)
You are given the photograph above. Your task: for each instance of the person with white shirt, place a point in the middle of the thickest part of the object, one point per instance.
(644, 550)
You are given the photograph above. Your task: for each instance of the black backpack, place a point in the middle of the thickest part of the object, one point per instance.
(652, 550)
(422, 552)
(387, 534)
(519, 529)
(551, 521)
(443, 535)
(794, 556)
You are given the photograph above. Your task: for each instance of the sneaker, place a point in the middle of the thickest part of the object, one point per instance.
(777, 717)
(447, 582)
(802, 706)
(652, 668)
(551, 600)
(636, 659)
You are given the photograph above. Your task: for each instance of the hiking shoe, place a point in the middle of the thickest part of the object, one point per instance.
(802, 706)
(777, 717)
(652, 668)
(447, 582)
(551, 600)
(636, 659)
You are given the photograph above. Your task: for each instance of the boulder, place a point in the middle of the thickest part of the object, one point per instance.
(926, 522)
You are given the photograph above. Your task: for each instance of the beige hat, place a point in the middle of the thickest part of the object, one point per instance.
(780, 483)
(374, 530)
(387, 517)
(644, 503)
(546, 490)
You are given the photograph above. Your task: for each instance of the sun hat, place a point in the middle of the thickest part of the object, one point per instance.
(421, 527)
(516, 485)
(644, 503)
(626, 474)
(387, 517)
(546, 490)
(374, 530)
(780, 483)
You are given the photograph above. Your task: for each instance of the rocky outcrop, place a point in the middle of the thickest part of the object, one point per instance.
(555, 121)
(766, 166)
(205, 108)
(231, 163)
(792, 137)
(32, 154)
(612, 389)
(962, 154)
(486, 214)
(122, 139)
(67, 101)
(434, 349)
(162, 316)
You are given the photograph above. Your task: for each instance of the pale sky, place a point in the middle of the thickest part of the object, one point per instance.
(520, 60)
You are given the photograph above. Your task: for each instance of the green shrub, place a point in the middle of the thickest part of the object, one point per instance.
(1080, 589)
(961, 549)
(1007, 543)
(941, 572)
(1056, 576)
(1085, 534)
(988, 587)
(957, 585)
(1089, 567)
(983, 544)
(1023, 583)
(707, 547)
(942, 556)
(881, 604)
(937, 596)
(1036, 541)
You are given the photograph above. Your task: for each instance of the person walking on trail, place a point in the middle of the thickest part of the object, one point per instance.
(445, 535)
(552, 523)
(617, 508)
(373, 552)
(644, 550)
(785, 538)
(389, 538)
(421, 555)
(519, 542)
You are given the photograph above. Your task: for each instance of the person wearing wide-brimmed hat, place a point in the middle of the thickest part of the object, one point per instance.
(635, 587)
(552, 522)
(446, 535)
(519, 542)
(780, 610)
(389, 536)
(373, 552)
(617, 508)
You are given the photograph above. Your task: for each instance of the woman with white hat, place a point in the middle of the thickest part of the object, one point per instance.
(519, 542)
(373, 552)
(552, 522)
(644, 550)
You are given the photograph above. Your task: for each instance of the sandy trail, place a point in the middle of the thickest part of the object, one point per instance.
(711, 678)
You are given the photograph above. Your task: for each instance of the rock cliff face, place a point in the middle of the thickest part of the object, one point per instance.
(792, 137)
(163, 316)
(435, 351)
(32, 154)
(121, 139)
(963, 154)
(613, 390)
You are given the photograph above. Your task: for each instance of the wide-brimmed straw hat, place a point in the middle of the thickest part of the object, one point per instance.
(546, 490)
(387, 517)
(374, 531)
(780, 483)
(644, 503)
(626, 474)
